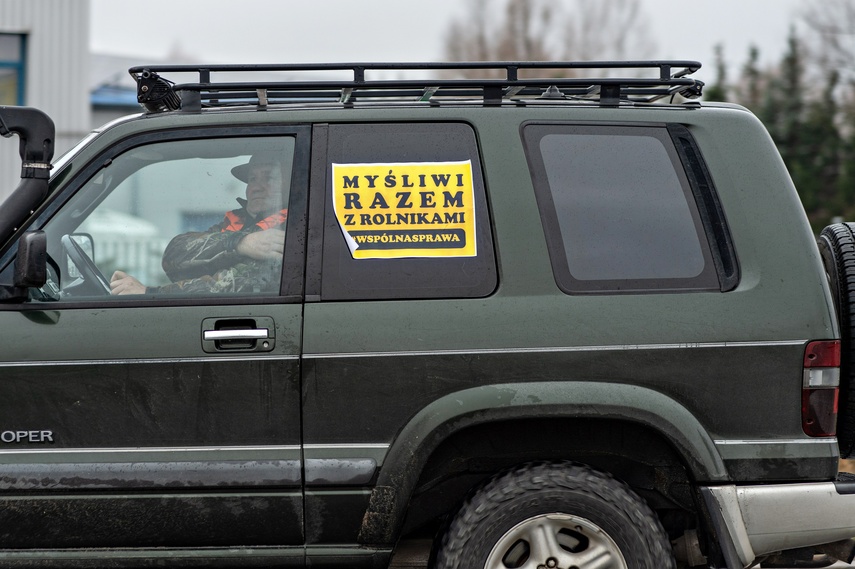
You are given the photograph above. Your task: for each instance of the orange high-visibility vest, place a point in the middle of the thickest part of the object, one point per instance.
(236, 224)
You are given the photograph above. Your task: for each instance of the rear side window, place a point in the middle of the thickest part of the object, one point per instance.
(618, 209)
(405, 213)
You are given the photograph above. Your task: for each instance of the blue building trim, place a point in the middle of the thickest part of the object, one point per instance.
(109, 96)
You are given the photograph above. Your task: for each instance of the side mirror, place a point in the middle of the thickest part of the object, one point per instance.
(31, 262)
(30, 268)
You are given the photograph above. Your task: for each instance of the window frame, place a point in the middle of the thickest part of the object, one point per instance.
(291, 280)
(720, 272)
(19, 66)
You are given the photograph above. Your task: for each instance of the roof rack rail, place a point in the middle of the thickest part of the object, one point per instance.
(561, 80)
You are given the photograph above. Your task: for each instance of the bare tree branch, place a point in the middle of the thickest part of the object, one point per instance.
(597, 30)
(830, 36)
(549, 30)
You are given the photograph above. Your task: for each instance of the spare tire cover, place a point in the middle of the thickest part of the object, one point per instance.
(837, 245)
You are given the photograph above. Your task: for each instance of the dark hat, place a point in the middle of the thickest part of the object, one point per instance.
(241, 172)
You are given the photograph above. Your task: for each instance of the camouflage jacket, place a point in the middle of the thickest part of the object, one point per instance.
(208, 261)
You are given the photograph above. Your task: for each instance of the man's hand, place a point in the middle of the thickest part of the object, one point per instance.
(269, 244)
(123, 283)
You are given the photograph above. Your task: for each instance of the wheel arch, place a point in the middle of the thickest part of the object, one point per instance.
(429, 428)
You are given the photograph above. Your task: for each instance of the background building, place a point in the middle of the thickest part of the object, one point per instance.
(44, 63)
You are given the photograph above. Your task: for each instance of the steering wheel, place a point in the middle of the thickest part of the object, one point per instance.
(88, 269)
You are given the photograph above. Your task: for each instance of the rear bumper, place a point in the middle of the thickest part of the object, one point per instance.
(776, 517)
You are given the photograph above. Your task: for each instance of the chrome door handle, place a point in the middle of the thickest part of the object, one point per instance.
(255, 334)
(238, 334)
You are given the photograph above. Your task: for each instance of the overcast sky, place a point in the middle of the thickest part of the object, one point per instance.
(284, 31)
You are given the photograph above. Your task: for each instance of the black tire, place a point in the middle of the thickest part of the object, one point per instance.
(837, 245)
(554, 515)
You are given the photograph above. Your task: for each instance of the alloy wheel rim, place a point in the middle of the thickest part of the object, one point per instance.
(556, 541)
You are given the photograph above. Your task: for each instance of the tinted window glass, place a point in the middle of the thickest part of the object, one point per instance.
(618, 209)
(406, 214)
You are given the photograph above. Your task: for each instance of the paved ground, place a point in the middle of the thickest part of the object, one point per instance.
(414, 556)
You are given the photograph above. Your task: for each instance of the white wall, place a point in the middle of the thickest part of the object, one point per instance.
(57, 72)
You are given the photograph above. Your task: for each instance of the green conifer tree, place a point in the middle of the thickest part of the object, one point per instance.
(818, 154)
(718, 90)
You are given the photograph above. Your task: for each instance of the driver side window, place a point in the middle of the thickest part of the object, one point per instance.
(176, 218)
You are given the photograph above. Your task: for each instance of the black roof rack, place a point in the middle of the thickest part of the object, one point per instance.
(506, 81)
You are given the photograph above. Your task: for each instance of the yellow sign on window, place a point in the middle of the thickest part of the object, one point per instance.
(406, 209)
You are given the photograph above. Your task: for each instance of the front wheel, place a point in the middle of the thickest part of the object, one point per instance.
(555, 516)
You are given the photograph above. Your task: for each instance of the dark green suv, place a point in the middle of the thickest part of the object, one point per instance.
(493, 316)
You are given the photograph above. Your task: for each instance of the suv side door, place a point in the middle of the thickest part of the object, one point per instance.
(169, 418)
(400, 256)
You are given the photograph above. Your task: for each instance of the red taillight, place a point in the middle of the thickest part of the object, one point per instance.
(823, 354)
(820, 384)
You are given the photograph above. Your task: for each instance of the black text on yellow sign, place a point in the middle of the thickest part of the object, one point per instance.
(406, 209)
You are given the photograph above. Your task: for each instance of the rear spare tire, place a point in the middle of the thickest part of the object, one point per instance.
(837, 245)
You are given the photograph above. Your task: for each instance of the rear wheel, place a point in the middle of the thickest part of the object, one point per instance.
(837, 245)
(555, 515)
